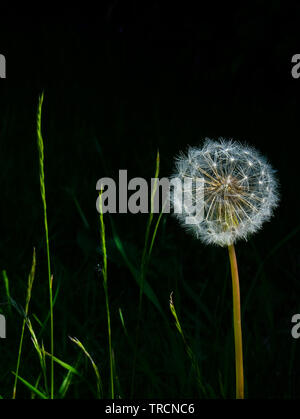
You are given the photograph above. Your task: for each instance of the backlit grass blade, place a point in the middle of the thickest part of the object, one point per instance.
(144, 266)
(148, 290)
(43, 195)
(155, 232)
(33, 394)
(145, 258)
(63, 364)
(28, 297)
(95, 368)
(43, 325)
(67, 380)
(187, 347)
(40, 351)
(78, 207)
(6, 286)
(105, 286)
(31, 387)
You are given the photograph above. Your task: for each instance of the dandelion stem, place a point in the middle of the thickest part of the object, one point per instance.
(237, 324)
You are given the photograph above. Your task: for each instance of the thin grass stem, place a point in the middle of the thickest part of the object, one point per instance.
(143, 270)
(43, 195)
(104, 273)
(28, 297)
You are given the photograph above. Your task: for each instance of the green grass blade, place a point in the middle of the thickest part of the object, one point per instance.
(95, 368)
(78, 207)
(40, 351)
(105, 286)
(36, 386)
(154, 233)
(67, 380)
(63, 364)
(122, 321)
(43, 326)
(43, 195)
(148, 291)
(143, 270)
(187, 347)
(37, 319)
(6, 286)
(28, 297)
(31, 387)
(65, 385)
(145, 258)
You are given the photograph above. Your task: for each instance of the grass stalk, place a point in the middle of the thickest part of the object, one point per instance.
(28, 297)
(95, 368)
(143, 270)
(43, 195)
(188, 349)
(6, 285)
(104, 273)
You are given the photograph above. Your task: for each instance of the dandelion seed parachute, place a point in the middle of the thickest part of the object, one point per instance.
(240, 190)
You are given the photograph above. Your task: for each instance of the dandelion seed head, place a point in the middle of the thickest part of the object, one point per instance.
(240, 190)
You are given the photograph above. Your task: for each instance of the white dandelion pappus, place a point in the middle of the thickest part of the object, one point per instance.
(240, 190)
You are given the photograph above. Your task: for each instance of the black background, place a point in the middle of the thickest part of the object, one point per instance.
(119, 84)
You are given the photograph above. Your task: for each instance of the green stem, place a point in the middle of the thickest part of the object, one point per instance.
(104, 272)
(43, 195)
(237, 324)
(144, 265)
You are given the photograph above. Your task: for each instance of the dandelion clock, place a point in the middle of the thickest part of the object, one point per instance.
(239, 193)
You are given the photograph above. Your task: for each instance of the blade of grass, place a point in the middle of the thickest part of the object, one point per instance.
(134, 271)
(143, 269)
(40, 351)
(67, 380)
(30, 386)
(78, 207)
(48, 314)
(36, 386)
(122, 321)
(147, 235)
(104, 273)
(155, 232)
(63, 364)
(28, 297)
(43, 195)
(146, 368)
(136, 275)
(6, 285)
(95, 368)
(37, 320)
(187, 348)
